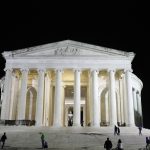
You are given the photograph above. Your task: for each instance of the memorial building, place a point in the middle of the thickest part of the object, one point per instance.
(70, 83)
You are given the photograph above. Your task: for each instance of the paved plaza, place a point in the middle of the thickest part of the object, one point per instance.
(71, 138)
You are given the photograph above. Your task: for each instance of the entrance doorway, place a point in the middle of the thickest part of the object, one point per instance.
(69, 116)
(69, 105)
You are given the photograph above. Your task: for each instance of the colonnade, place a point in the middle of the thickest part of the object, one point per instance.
(95, 120)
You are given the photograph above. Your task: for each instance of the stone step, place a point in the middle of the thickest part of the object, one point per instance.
(22, 137)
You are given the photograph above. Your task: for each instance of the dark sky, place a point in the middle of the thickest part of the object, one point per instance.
(122, 26)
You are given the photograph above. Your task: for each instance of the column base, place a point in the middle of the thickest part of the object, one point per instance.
(113, 124)
(130, 125)
(95, 125)
(38, 125)
(76, 125)
(57, 125)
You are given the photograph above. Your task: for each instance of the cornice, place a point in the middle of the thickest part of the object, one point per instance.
(76, 57)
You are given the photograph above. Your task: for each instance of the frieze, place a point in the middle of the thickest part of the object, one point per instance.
(67, 51)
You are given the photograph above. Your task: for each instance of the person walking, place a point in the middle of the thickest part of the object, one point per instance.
(3, 139)
(140, 130)
(119, 145)
(118, 131)
(45, 144)
(115, 130)
(108, 144)
(147, 142)
(42, 139)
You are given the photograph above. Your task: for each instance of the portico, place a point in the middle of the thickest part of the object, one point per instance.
(92, 85)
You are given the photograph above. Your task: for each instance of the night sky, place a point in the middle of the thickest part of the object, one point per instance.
(122, 26)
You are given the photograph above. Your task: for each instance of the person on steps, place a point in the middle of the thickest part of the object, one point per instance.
(108, 144)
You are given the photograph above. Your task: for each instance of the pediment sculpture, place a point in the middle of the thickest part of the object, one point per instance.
(67, 51)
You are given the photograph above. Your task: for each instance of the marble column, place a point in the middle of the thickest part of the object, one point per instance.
(63, 105)
(125, 103)
(66, 116)
(13, 97)
(96, 105)
(46, 100)
(84, 115)
(140, 109)
(112, 98)
(121, 99)
(106, 109)
(134, 100)
(89, 100)
(7, 95)
(23, 92)
(139, 104)
(129, 99)
(40, 98)
(30, 106)
(57, 102)
(118, 104)
(77, 97)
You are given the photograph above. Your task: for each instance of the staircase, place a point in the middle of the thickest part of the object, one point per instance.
(72, 138)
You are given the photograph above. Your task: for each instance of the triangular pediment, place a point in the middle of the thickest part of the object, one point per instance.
(67, 48)
(66, 51)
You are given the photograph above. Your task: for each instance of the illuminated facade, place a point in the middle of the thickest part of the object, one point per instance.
(69, 83)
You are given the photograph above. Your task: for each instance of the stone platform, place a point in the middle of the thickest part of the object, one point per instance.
(72, 138)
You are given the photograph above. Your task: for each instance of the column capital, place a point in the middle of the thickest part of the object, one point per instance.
(134, 89)
(77, 69)
(111, 70)
(59, 70)
(24, 69)
(40, 70)
(8, 69)
(94, 70)
(137, 92)
(127, 70)
(64, 86)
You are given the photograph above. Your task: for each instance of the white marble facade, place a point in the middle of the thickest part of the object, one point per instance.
(69, 83)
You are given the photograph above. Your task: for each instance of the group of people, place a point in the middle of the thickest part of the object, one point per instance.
(4, 137)
(108, 145)
(116, 130)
